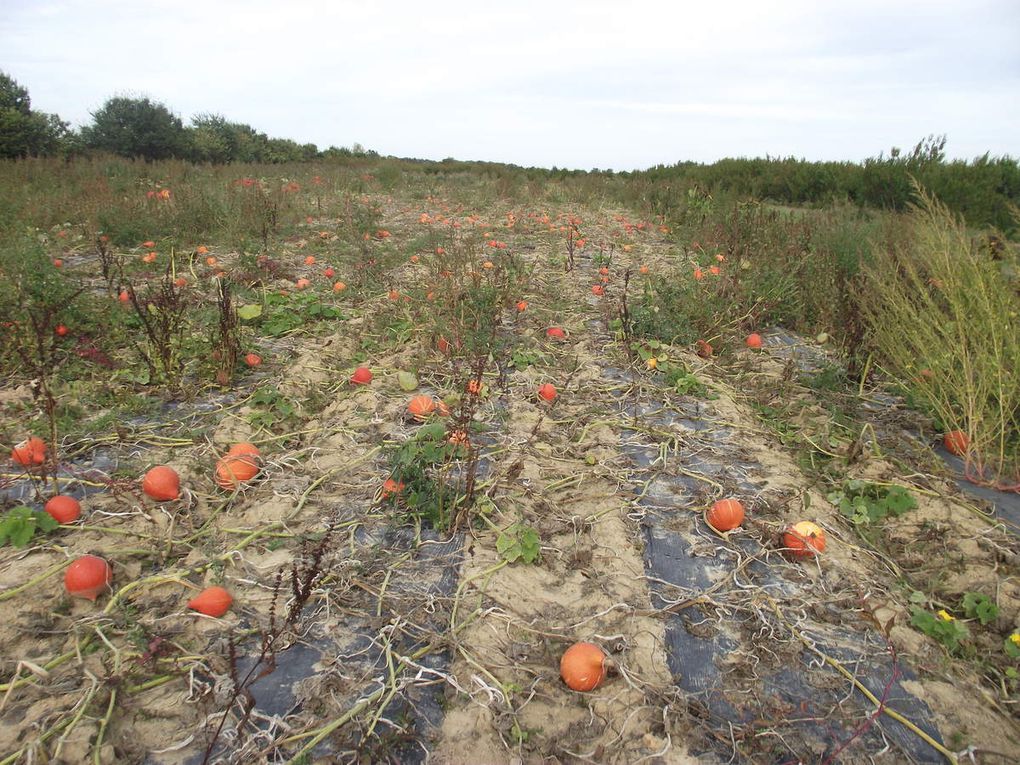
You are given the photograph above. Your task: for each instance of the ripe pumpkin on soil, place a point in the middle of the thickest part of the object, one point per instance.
(362, 376)
(87, 576)
(212, 601)
(421, 407)
(753, 341)
(162, 483)
(583, 667)
(703, 349)
(555, 332)
(235, 469)
(252, 359)
(63, 509)
(725, 515)
(956, 442)
(804, 540)
(30, 452)
(547, 391)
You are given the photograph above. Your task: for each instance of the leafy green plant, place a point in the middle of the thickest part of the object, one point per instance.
(980, 607)
(683, 381)
(22, 523)
(1012, 648)
(943, 628)
(274, 408)
(865, 503)
(422, 465)
(518, 542)
(285, 314)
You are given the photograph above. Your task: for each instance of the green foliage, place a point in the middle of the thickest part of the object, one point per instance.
(20, 524)
(421, 465)
(980, 607)
(136, 127)
(949, 632)
(865, 503)
(24, 132)
(286, 313)
(273, 408)
(1012, 648)
(518, 542)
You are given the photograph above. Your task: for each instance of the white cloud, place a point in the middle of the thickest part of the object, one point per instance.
(565, 83)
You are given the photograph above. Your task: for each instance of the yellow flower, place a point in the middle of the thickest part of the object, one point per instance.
(946, 616)
(1015, 638)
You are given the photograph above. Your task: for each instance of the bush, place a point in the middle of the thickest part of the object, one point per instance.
(943, 320)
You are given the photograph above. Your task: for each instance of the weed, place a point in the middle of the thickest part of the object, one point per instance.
(20, 524)
(866, 503)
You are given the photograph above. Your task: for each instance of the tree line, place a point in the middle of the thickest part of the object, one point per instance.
(142, 128)
(986, 190)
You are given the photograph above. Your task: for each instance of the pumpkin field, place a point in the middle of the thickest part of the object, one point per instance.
(370, 460)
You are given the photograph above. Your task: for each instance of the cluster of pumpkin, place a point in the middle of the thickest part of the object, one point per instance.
(89, 575)
(584, 666)
(800, 540)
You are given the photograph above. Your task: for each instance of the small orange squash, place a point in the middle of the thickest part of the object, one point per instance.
(703, 349)
(245, 448)
(753, 341)
(555, 332)
(362, 376)
(547, 391)
(212, 601)
(421, 407)
(583, 667)
(804, 540)
(162, 483)
(726, 515)
(30, 452)
(87, 576)
(63, 509)
(956, 442)
(391, 487)
(235, 469)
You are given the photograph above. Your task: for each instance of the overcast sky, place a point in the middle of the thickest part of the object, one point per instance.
(623, 84)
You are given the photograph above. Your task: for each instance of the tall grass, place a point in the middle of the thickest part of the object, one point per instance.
(943, 318)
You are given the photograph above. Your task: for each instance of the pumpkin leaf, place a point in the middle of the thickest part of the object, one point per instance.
(249, 311)
(407, 381)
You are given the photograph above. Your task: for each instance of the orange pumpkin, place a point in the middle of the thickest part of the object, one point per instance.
(361, 376)
(391, 487)
(30, 452)
(421, 407)
(547, 391)
(956, 442)
(598, 290)
(726, 515)
(583, 667)
(703, 349)
(804, 540)
(162, 483)
(212, 601)
(63, 509)
(555, 332)
(235, 469)
(753, 341)
(243, 448)
(87, 576)
(474, 387)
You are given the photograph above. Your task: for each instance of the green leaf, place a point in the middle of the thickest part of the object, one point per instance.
(407, 381)
(980, 607)
(22, 532)
(46, 522)
(899, 500)
(250, 311)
